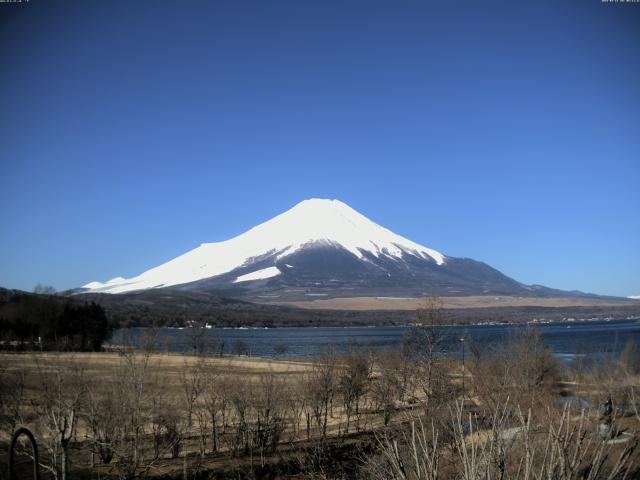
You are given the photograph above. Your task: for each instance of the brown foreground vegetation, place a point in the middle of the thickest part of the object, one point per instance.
(512, 412)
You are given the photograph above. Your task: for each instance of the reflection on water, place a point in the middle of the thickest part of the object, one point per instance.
(568, 341)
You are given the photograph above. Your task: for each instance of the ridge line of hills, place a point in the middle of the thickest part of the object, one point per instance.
(177, 308)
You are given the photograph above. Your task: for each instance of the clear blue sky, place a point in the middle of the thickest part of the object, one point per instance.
(508, 132)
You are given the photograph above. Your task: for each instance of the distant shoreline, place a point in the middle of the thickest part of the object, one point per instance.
(534, 322)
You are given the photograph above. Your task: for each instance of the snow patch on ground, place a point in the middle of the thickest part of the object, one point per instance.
(258, 275)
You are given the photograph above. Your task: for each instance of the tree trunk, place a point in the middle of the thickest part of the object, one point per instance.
(185, 469)
(214, 435)
(63, 461)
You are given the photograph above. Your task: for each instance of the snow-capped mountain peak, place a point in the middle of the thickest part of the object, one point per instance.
(310, 222)
(335, 222)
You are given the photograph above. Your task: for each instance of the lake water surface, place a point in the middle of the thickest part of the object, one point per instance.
(567, 340)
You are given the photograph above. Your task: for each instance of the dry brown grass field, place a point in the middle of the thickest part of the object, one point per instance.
(473, 301)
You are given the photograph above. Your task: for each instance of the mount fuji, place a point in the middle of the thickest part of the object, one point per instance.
(320, 249)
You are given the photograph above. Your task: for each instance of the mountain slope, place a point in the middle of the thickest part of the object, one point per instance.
(320, 248)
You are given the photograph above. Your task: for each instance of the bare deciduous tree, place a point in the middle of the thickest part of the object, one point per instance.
(414, 455)
(12, 401)
(102, 415)
(140, 404)
(269, 413)
(353, 382)
(58, 408)
(321, 386)
(564, 447)
(522, 372)
(44, 289)
(386, 388)
(215, 395)
(424, 345)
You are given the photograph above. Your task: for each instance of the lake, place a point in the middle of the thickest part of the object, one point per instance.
(568, 340)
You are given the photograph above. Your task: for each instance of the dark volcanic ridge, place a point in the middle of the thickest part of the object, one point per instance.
(179, 308)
